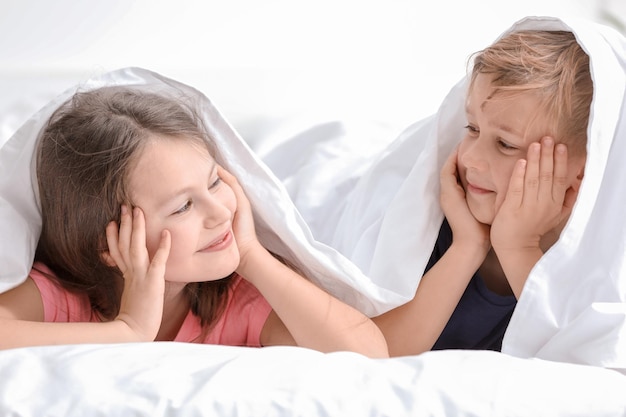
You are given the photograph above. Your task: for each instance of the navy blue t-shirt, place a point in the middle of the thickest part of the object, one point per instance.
(481, 317)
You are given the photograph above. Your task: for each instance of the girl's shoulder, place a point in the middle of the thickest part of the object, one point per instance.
(60, 304)
(244, 315)
(245, 299)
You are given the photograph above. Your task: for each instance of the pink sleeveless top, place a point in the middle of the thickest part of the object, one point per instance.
(240, 325)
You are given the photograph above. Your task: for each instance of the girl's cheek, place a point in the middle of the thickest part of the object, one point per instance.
(153, 236)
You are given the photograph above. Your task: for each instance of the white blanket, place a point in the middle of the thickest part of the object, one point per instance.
(385, 215)
(166, 379)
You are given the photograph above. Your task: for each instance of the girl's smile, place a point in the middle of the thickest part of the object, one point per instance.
(219, 244)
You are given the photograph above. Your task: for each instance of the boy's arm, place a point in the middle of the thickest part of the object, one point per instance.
(415, 326)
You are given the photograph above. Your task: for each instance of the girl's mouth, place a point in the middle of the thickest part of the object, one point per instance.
(219, 244)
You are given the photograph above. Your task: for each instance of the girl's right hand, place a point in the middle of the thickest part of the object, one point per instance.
(243, 222)
(141, 305)
(466, 230)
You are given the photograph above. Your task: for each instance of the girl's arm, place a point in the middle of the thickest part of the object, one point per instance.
(414, 327)
(537, 201)
(22, 311)
(313, 318)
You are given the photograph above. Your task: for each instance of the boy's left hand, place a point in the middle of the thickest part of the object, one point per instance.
(538, 198)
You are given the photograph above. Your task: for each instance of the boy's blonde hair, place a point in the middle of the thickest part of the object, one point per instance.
(551, 64)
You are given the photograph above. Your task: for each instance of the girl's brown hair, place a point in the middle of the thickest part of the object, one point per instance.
(551, 64)
(84, 156)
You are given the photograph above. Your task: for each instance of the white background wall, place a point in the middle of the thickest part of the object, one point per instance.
(389, 60)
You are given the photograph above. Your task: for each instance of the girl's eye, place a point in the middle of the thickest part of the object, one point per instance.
(217, 182)
(471, 130)
(184, 208)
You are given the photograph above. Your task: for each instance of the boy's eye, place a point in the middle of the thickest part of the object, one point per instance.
(502, 144)
(184, 208)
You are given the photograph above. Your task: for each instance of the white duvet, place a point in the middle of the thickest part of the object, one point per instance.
(572, 310)
(386, 216)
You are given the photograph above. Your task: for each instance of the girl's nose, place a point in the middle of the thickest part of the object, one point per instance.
(215, 213)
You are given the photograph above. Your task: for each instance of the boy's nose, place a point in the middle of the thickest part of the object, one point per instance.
(472, 155)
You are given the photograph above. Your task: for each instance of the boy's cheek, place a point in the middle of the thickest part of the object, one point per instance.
(499, 201)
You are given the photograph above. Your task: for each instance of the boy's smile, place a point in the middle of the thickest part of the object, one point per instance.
(499, 131)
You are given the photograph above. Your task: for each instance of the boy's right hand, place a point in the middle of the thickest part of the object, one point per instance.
(466, 230)
(141, 305)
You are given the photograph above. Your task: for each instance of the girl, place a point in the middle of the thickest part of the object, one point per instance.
(507, 192)
(145, 237)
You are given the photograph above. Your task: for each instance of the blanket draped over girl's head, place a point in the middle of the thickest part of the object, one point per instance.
(371, 223)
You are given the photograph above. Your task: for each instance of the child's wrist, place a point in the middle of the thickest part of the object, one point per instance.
(514, 255)
(472, 246)
(516, 244)
(253, 259)
(471, 253)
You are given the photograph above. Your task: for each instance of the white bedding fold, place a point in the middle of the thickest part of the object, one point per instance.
(171, 379)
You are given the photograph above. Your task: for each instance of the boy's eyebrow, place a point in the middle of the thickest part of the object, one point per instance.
(499, 126)
(505, 128)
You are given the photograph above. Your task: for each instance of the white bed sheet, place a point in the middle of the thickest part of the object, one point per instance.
(172, 379)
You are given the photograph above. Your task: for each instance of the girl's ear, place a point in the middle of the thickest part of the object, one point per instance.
(106, 257)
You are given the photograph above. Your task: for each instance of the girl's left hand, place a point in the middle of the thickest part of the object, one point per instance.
(141, 306)
(538, 198)
(243, 222)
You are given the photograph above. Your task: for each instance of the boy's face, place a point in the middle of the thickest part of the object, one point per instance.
(498, 134)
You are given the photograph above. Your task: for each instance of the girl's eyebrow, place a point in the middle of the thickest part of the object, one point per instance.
(184, 190)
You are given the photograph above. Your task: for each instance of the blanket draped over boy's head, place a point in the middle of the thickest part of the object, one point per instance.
(573, 307)
(365, 230)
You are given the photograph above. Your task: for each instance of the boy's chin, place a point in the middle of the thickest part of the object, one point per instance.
(483, 216)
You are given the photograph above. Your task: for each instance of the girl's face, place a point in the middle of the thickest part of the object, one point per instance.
(498, 134)
(175, 183)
